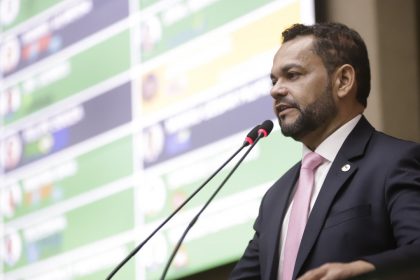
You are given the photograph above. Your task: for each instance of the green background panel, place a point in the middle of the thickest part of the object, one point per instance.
(113, 215)
(94, 169)
(126, 272)
(223, 247)
(146, 3)
(86, 69)
(30, 8)
(278, 152)
(200, 22)
(101, 219)
(93, 222)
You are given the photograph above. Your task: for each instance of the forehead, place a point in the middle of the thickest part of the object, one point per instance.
(298, 51)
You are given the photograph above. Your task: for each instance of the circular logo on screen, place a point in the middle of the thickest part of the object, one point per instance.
(11, 151)
(151, 33)
(10, 101)
(9, 55)
(10, 199)
(46, 143)
(152, 195)
(150, 86)
(11, 249)
(181, 258)
(153, 142)
(9, 9)
(155, 252)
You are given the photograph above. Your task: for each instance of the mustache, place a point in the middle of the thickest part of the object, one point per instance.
(285, 103)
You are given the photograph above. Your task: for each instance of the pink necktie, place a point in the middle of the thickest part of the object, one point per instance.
(299, 213)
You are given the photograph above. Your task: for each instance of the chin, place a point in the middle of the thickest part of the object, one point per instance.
(296, 135)
(292, 129)
(288, 123)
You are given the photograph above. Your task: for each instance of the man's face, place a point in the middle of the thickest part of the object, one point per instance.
(302, 90)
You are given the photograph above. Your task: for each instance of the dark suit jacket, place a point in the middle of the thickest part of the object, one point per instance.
(370, 212)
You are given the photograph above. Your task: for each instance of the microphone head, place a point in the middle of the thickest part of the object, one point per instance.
(252, 135)
(265, 128)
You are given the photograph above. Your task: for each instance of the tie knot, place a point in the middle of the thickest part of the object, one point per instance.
(312, 160)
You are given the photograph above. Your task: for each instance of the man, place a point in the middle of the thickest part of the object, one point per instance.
(362, 210)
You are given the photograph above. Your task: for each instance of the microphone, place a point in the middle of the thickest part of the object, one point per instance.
(263, 130)
(252, 135)
(249, 140)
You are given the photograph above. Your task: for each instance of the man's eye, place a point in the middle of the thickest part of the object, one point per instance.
(273, 82)
(292, 75)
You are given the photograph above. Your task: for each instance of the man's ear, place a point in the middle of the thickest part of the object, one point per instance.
(345, 80)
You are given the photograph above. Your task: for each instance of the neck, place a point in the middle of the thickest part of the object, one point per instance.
(313, 139)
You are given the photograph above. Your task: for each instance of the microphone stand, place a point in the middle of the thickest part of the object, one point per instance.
(194, 220)
(135, 250)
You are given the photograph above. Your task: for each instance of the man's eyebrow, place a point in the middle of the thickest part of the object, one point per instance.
(287, 67)
(284, 69)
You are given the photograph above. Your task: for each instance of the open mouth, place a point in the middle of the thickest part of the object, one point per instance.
(283, 108)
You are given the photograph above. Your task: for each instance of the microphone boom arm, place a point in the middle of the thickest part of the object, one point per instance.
(194, 220)
(135, 250)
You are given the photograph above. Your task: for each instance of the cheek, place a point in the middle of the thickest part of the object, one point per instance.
(309, 92)
(302, 98)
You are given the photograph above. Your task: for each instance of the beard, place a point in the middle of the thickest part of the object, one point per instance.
(316, 114)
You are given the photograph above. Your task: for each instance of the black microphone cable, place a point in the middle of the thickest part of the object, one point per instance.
(249, 140)
(263, 131)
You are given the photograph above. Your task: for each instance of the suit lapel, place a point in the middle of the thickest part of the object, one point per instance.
(343, 167)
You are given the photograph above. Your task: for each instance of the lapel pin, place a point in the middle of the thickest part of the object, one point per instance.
(345, 168)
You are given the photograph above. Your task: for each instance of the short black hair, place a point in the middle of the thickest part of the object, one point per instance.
(338, 44)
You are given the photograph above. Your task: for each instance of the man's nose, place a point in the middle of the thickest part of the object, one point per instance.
(278, 91)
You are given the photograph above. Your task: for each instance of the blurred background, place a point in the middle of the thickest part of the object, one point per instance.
(113, 112)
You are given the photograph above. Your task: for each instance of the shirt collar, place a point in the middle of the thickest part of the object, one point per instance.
(329, 148)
